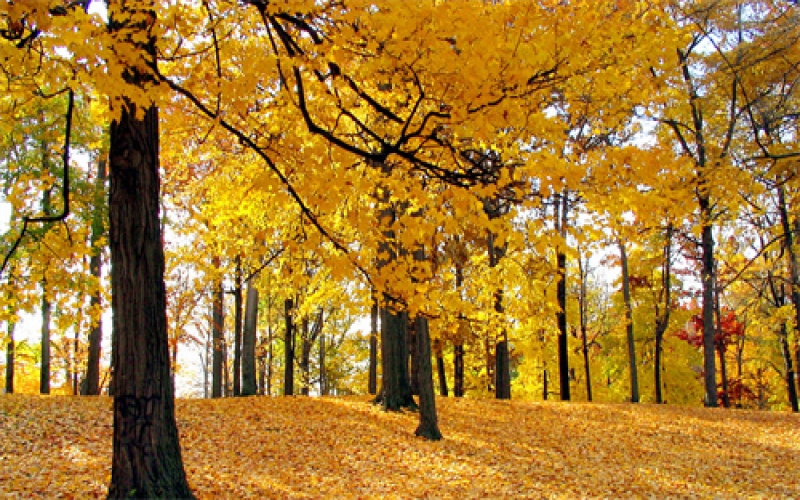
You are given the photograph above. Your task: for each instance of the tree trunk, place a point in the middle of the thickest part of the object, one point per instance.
(323, 373)
(502, 366)
(582, 307)
(288, 366)
(237, 330)
(305, 358)
(44, 378)
(395, 391)
(626, 297)
(458, 370)
(440, 367)
(708, 279)
(217, 337)
(92, 384)
(10, 359)
(428, 427)
(787, 361)
(794, 269)
(411, 338)
(372, 385)
(662, 318)
(249, 339)
(561, 298)
(545, 388)
(146, 459)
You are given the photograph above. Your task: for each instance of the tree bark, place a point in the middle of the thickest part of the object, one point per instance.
(791, 390)
(146, 459)
(794, 269)
(561, 298)
(428, 427)
(395, 391)
(92, 384)
(458, 370)
(411, 338)
(582, 307)
(440, 367)
(662, 318)
(237, 330)
(288, 365)
(626, 297)
(249, 339)
(217, 336)
(372, 384)
(44, 378)
(10, 359)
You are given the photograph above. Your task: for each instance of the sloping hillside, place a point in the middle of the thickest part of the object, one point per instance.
(335, 448)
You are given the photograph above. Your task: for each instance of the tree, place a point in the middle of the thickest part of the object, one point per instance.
(147, 458)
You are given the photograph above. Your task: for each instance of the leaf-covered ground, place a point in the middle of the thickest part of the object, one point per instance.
(55, 447)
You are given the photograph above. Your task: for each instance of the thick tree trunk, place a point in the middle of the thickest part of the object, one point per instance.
(10, 359)
(91, 386)
(428, 427)
(249, 339)
(458, 370)
(395, 391)
(288, 349)
(626, 297)
(502, 363)
(146, 459)
(372, 384)
(217, 337)
(237, 330)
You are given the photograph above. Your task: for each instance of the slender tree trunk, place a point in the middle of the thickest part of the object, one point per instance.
(92, 384)
(458, 346)
(626, 294)
(237, 330)
(305, 358)
(708, 280)
(428, 427)
(794, 269)
(217, 337)
(323, 372)
(373, 350)
(44, 379)
(146, 459)
(270, 351)
(458, 370)
(502, 368)
(561, 298)
(582, 306)
(288, 366)
(545, 383)
(787, 361)
(440, 367)
(721, 348)
(249, 340)
(10, 359)
(411, 338)
(662, 318)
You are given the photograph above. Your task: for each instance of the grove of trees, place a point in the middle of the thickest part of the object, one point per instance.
(540, 200)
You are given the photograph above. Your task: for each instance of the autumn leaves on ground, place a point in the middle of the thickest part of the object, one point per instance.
(60, 447)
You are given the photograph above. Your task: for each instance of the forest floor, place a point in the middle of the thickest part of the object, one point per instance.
(296, 447)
